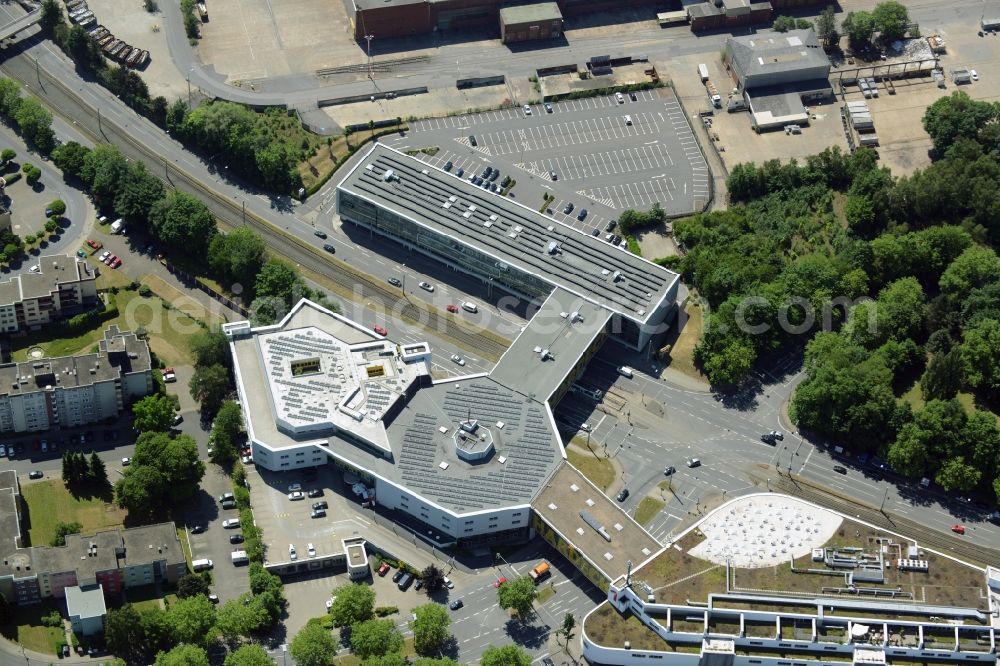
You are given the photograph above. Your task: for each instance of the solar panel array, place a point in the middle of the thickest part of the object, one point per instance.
(309, 397)
(526, 440)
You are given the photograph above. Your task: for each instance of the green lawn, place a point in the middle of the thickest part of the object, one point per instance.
(647, 509)
(168, 331)
(26, 628)
(599, 471)
(916, 399)
(49, 503)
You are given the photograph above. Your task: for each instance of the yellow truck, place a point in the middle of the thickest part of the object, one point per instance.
(540, 572)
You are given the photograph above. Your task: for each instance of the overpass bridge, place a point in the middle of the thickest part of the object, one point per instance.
(17, 25)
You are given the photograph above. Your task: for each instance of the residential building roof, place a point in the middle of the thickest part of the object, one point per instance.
(533, 13)
(85, 602)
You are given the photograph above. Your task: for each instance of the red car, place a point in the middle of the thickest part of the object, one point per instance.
(381, 330)
(94, 244)
(958, 529)
(116, 263)
(500, 581)
(110, 259)
(452, 308)
(384, 569)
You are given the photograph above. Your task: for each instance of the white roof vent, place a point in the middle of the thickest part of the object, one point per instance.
(552, 247)
(550, 228)
(369, 167)
(538, 349)
(563, 314)
(487, 224)
(576, 317)
(616, 276)
(388, 175)
(545, 355)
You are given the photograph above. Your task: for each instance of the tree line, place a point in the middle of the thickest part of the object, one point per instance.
(892, 281)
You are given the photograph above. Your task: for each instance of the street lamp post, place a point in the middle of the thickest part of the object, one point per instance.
(368, 41)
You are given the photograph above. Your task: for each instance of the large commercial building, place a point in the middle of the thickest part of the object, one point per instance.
(75, 390)
(465, 456)
(114, 559)
(505, 244)
(777, 73)
(383, 19)
(769, 580)
(61, 286)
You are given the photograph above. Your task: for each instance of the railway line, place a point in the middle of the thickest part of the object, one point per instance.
(100, 128)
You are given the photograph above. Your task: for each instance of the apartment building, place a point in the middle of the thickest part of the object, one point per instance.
(60, 286)
(71, 391)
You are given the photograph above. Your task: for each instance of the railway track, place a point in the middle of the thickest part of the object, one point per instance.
(961, 548)
(230, 212)
(376, 66)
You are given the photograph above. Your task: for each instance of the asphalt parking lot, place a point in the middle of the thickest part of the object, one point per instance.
(606, 155)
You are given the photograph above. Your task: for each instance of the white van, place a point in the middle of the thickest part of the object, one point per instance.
(201, 565)
(118, 226)
(469, 306)
(626, 371)
(240, 557)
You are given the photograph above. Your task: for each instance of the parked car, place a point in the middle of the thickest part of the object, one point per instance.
(329, 248)
(35, 474)
(448, 583)
(840, 469)
(472, 140)
(235, 538)
(553, 175)
(231, 523)
(126, 462)
(315, 492)
(568, 208)
(317, 513)
(311, 549)
(456, 604)
(294, 487)
(320, 505)
(426, 286)
(693, 462)
(548, 108)
(582, 215)
(381, 330)
(527, 110)
(319, 233)
(622, 495)
(667, 471)
(610, 225)
(169, 376)
(383, 569)
(296, 496)
(460, 172)
(958, 529)
(396, 576)
(500, 581)
(448, 165)
(226, 497)
(395, 282)
(620, 98)
(452, 308)
(457, 359)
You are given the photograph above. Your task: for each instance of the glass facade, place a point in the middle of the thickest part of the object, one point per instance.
(463, 257)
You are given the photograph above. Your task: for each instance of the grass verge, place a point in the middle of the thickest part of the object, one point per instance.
(647, 509)
(49, 503)
(682, 354)
(600, 471)
(26, 628)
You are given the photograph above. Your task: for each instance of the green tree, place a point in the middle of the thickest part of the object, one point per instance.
(249, 655)
(313, 646)
(141, 490)
(138, 191)
(57, 206)
(943, 377)
(176, 458)
(184, 223)
(784, 24)
(279, 280)
(192, 585)
(62, 529)
(124, 634)
(975, 268)
(980, 353)
(226, 429)
(69, 158)
(957, 116)
(392, 659)
(354, 603)
(859, 27)
(901, 310)
(891, 20)
(826, 27)
(433, 578)
(240, 618)
(518, 595)
(374, 638)
(210, 386)
(238, 256)
(430, 628)
(191, 618)
(956, 475)
(35, 123)
(7, 155)
(568, 624)
(98, 471)
(209, 347)
(182, 655)
(154, 413)
(508, 655)
(52, 16)
(103, 169)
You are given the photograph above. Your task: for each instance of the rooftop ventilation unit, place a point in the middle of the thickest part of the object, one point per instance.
(552, 247)
(388, 175)
(576, 317)
(616, 276)
(545, 355)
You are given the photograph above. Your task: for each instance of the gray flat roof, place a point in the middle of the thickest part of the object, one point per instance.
(568, 498)
(379, 4)
(565, 338)
(14, 560)
(539, 11)
(776, 52)
(583, 265)
(85, 602)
